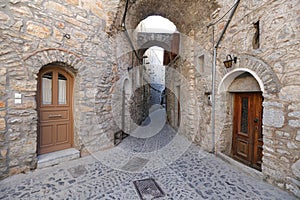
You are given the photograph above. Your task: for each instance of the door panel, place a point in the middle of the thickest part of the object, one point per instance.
(258, 136)
(46, 136)
(243, 148)
(55, 110)
(62, 133)
(49, 115)
(242, 125)
(247, 130)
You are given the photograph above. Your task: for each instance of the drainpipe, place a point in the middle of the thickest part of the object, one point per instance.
(123, 24)
(213, 115)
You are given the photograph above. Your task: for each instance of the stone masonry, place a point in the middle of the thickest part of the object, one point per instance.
(73, 35)
(273, 63)
(85, 38)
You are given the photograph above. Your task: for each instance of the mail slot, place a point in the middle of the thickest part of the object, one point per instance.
(55, 115)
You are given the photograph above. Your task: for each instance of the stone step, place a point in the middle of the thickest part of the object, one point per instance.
(55, 158)
(242, 167)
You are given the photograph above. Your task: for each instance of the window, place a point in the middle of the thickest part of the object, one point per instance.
(244, 115)
(200, 64)
(256, 37)
(47, 88)
(62, 89)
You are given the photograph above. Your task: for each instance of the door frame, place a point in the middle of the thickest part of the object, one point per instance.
(254, 128)
(70, 102)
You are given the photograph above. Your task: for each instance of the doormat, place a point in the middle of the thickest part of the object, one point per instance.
(148, 189)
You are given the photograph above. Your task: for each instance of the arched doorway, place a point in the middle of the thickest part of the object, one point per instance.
(247, 140)
(245, 101)
(55, 103)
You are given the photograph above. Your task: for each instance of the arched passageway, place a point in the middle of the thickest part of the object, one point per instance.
(147, 76)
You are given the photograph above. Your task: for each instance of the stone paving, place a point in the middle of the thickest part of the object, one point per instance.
(180, 168)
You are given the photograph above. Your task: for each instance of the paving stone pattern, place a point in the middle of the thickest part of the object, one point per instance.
(194, 175)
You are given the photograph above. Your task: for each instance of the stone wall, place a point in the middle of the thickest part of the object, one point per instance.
(273, 65)
(73, 35)
(131, 69)
(76, 34)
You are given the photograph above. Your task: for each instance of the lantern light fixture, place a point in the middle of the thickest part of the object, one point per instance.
(229, 60)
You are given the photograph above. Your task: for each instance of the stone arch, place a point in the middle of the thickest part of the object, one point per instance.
(260, 70)
(148, 40)
(170, 9)
(69, 61)
(238, 81)
(267, 83)
(150, 44)
(44, 57)
(231, 76)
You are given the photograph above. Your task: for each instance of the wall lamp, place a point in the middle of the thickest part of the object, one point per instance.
(229, 60)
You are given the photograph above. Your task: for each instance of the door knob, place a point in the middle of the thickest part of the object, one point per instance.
(256, 120)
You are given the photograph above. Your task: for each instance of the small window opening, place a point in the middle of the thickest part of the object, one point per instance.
(256, 37)
(201, 64)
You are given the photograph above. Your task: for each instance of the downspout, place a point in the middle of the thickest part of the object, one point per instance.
(213, 114)
(123, 24)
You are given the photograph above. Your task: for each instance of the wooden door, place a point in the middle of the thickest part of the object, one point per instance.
(55, 129)
(247, 130)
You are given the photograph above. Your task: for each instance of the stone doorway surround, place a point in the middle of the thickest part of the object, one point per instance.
(69, 62)
(76, 65)
(269, 84)
(239, 82)
(55, 108)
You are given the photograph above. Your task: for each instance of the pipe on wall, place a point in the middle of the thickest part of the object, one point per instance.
(213, 114)
(123, 24)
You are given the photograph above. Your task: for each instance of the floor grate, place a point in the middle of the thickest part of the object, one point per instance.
(148, 189)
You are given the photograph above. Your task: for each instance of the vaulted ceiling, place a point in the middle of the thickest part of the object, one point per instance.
(185, 14)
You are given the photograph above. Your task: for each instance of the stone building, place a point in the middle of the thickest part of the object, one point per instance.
(68, 79)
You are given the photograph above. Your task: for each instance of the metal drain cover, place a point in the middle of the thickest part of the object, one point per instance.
(148, 189)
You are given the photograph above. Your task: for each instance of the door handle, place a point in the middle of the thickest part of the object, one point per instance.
(256, 120)
(54, 116)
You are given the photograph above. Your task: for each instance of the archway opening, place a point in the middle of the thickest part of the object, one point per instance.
(243, 139)
(157, 45)
(158, 48)
(155, 72)
(55, 109)
(156, 24)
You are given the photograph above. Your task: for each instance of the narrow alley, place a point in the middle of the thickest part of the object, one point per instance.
(149, 99)
(179, 168)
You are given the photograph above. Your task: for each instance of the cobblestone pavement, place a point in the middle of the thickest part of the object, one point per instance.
(180, 168)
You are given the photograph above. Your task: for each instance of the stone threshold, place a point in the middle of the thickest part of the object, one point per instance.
(244, 168)
(55, 158)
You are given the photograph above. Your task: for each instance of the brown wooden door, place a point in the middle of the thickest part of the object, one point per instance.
(247, 131)
(55, 129)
